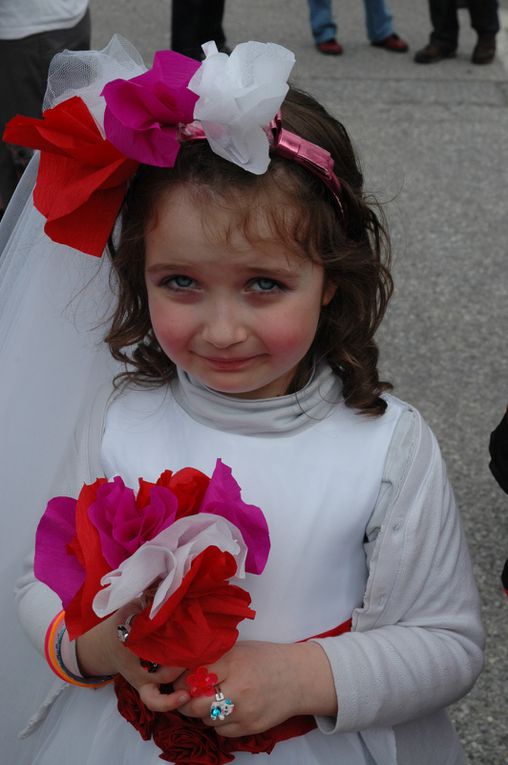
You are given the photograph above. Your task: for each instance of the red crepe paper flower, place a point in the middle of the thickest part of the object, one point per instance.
(86, 547)
(197, 625)
(188, 485)
(82, 177)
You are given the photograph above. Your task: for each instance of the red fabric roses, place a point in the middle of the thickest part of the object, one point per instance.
(188, 741)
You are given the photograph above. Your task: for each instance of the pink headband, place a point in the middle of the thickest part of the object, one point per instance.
(314, 158)
(284, 143)
(83, 176)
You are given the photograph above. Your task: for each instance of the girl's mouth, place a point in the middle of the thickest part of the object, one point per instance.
(219, 362)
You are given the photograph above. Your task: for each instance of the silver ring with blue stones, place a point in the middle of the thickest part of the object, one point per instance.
(221, 707)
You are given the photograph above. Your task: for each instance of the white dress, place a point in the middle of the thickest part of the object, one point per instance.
(314, 467)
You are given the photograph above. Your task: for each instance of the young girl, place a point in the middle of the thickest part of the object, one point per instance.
(248, 291)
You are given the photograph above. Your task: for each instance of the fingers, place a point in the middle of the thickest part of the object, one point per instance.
(102, 651)
(230, 727)
(137, 675)
(229, 730)
(136, 671)
(232, 724)
(211, 710)
(195, 707)
(246, 676)
(151, 695)
(207, 699)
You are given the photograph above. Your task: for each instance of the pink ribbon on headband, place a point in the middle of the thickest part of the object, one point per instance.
(311, 156)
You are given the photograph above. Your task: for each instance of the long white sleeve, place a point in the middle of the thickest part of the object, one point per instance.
(417, 642)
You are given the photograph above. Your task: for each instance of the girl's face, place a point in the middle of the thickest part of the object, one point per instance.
(237, 316)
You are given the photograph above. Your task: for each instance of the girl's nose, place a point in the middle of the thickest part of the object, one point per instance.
(224, 326)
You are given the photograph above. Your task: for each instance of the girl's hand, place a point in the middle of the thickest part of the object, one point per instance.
(101, 652)
(268, 683)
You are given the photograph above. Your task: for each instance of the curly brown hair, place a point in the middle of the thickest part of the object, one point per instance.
(353, 249)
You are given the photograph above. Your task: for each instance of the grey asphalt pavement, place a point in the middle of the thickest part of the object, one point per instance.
(434, 145)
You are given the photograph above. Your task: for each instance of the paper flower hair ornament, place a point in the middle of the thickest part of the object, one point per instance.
(85, 165)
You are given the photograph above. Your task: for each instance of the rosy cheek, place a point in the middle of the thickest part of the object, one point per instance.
(293, 331)
(171, 326)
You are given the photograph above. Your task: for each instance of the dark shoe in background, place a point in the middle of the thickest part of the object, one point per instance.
(330, 48)
(432, 53)
(393, 43)
(485, 49)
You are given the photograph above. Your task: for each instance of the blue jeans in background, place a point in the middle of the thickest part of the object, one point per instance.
(377, 19)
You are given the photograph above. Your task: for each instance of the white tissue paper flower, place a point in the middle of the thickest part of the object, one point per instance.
(166, 559)
(239, 95)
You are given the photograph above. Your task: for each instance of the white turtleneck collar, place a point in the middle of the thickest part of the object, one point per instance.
(271, 416)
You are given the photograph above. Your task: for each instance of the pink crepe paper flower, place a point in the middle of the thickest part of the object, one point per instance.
(56, 530)
(122, 524)
(142, 114)
(223, 497)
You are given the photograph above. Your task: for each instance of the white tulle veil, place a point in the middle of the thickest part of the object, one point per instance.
(54, 306)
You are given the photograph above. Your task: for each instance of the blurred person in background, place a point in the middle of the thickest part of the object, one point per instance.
(378, 20)
(445, 30)
(31, 32)
(194, 22)
(498, 448)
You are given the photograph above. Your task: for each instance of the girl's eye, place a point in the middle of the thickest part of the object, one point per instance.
(179, 282)
(264, 284)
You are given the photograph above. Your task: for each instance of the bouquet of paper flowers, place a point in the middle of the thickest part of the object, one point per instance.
(176, 544)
